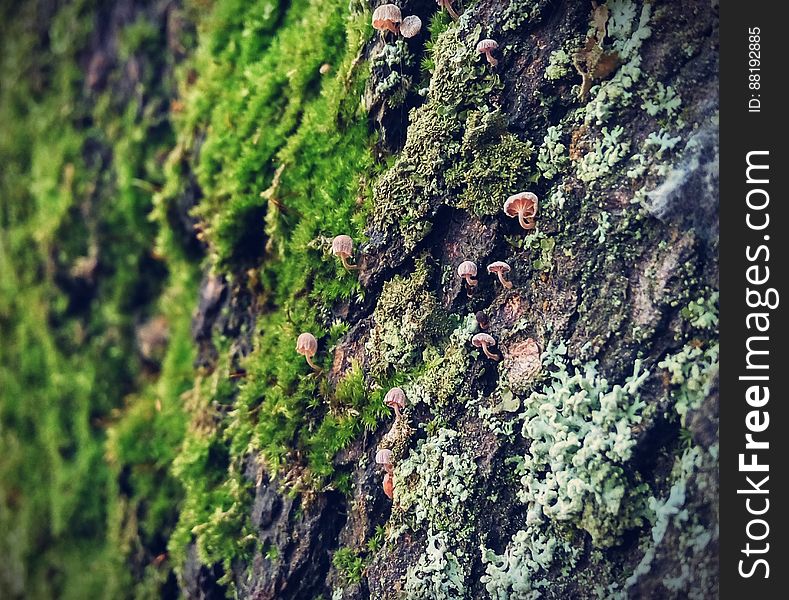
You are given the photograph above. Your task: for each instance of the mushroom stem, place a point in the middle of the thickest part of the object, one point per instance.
(493, 62)
(526, 222)
(470, 281)
(504, 282)
(489, 354)
(312, 364)
(347, 265)
(450, 10)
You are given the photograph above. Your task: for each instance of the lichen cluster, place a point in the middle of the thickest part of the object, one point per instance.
(434, 486)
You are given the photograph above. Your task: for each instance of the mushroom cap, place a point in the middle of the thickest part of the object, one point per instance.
(483, 339)
(524, 202)
(386, 14)
(395, 397)
(342, 245)
(307, 345)
(487, 45)
(410, 26)
(383, 456)
(499, 267)
(467, 268)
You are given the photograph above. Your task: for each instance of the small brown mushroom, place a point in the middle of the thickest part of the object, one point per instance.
(389, 485)
(395, 399)
(482, 319)
(325, 68)
(487, 47)
(501, 269)
(342, 246)
(387, 17)
(384, 458)
(468, 271)
(523, 206)
(410, 26)
(448, 5)
(307, 346)
(484, 341)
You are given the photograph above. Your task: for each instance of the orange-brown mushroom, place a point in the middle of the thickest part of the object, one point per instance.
(389, 485)
(523, 206)
(387, 17)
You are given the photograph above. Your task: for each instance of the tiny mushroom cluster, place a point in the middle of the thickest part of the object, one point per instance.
(394, 399)
(523, 205)
(388, 17)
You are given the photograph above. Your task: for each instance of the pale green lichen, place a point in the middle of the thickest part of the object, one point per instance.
(693, 536)
(573, 477)
(514, 575)
(437, 573)
(691, 373)
(581, 432)
(396, 59)
(603, 225)
(553, 157)
(559, 65)
(542, 247)
(627, 32)
(702, 313)
(433, 489)
(662, 99)
(433, 483)
(606, 152)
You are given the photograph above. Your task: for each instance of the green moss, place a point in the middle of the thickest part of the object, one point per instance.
(85, 447)
(408, 317)
(442, 376)
(281, 164)
(349, 564)
(458, 150)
